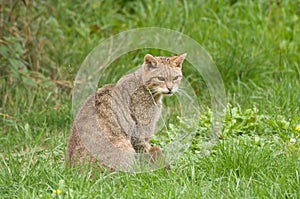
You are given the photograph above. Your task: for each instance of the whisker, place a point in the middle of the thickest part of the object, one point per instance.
(181, 91)
(185, 94)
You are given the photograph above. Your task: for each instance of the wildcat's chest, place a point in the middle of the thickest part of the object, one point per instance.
(144, 107)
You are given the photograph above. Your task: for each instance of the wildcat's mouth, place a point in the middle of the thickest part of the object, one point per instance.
(168, 93)
(164, 92)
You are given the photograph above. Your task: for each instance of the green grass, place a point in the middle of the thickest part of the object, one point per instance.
(43, 43)
(238, 168)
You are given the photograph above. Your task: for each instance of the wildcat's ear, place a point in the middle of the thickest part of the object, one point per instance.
(178, 60)
(150, 62)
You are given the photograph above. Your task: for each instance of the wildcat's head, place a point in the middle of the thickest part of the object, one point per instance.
(162, 75)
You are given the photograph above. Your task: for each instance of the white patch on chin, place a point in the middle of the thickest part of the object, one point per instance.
(160, 90)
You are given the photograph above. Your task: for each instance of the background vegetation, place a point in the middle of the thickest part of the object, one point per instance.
(255, 45)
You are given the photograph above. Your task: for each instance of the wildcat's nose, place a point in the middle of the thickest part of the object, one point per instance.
(169, 88)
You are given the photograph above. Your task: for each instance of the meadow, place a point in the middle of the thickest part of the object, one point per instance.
(255, 46)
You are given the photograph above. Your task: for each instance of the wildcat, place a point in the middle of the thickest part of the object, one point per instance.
(115, 124)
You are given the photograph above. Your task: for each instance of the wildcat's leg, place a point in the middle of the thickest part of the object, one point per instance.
(123, 144)
(140, 145)
(154, 159)
(158, 158)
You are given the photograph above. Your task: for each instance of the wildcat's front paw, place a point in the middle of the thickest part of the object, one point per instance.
(156, 157)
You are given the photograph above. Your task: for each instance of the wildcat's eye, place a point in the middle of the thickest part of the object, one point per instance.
(176, 78)
(161, 79)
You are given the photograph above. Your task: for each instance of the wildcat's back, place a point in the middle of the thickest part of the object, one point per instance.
(118, 120)
(77, 151)
(95, 135)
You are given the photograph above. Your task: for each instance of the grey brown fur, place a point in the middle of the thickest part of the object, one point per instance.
(118, 121)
